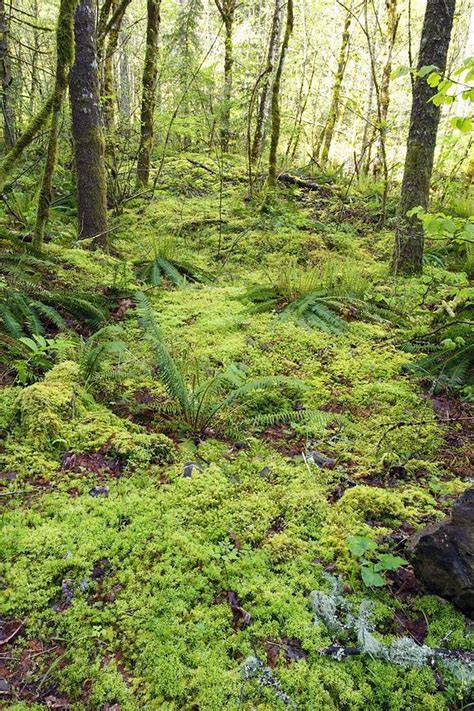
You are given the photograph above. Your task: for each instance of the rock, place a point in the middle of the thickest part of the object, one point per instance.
(443, 554)
(189, 467)
(321, 460)
(4, 686)
(99, 491)
(265, 472)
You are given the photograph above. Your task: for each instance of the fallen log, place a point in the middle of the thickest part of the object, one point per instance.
(301, 182)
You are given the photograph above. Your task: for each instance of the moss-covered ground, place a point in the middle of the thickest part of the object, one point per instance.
(140, 588)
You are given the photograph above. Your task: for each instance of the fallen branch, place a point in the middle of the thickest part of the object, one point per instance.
(300, 182)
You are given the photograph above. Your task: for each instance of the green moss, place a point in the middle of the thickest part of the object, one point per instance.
(154, 630)
(371, 503)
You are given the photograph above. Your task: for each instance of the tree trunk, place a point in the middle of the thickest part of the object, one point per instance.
(64, 59)
(6, 80)
(276, 118)
(87, 129)
(227, 12)
(392, 27)
(125, 99)
(328, 130)
(264, 103)
(424, 120)
(150, 73)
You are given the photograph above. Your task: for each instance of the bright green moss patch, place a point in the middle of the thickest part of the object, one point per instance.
(147, 568)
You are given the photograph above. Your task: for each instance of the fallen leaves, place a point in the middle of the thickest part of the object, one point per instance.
(290, 647)
(239, 615)
(9, 630)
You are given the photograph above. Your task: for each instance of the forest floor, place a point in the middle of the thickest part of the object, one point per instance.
(135, 580)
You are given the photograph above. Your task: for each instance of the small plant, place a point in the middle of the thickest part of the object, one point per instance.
(27, 308)
(37, 358)
(199, 402)
(324, 297)
(373, 563)
(165, 264)
(105, 342)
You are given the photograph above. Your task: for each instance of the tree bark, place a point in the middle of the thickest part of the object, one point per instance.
(276, 117)
(64, 60)
(227, 12)
(150, 73)
(87, 129)
(328, 131)
(264, 103)
(6, 80)
(125, 98)
(424, 120)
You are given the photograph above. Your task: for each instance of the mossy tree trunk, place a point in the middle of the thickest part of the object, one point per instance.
(150, 73)
(87, 129)
(6, 80)
(125, 89)
(424, 120)
(264, 103)
(227, 12)
(275, 105)
(64, 60)
(328, 131)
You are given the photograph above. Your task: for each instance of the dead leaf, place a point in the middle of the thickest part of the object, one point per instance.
(9, 630)
(238, 612)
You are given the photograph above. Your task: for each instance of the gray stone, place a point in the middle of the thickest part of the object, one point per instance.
(443, 554)
(321, 460)
(189, 467)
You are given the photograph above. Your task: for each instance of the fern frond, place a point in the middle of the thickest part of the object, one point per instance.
(319, 418)
(170, 374)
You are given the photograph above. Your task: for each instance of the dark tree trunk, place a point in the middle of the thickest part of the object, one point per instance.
(276, 117)
(87, 129)
(6, 80)
(150, 73)
(263, 105)
(424, 120)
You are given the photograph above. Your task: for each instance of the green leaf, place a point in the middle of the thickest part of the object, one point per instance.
(462, 123)
(415, 211)
(371, 578)
(359, 545)
(387, 561)
(427, 69)
(434, 79)
(400, 71)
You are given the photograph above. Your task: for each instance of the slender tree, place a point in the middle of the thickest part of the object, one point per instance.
(424, 120)
(328, 131)
(150, 73)
(264, 101)
(275, 109)
(6, 80)
(87, 129)
(227, 12)
(379, 132)
(64, 60)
